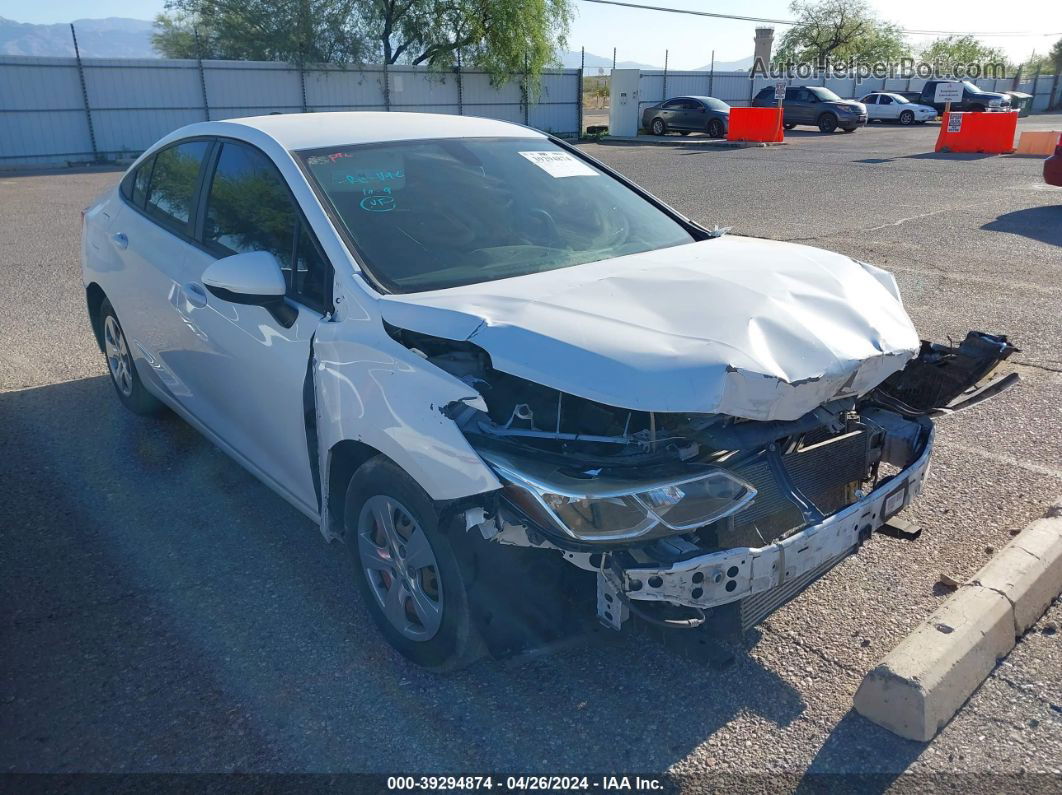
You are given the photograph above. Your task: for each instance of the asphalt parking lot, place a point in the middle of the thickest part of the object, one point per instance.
(163, 611)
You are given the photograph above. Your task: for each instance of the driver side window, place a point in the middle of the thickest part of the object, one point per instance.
(249, 208)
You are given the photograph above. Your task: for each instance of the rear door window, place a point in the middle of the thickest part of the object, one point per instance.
(174, 183)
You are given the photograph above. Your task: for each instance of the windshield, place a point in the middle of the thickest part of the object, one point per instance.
(972, 88)
(426, 215)
(824, 94)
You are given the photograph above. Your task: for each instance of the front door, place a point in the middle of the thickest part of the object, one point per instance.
(250, 370)
(888, 108)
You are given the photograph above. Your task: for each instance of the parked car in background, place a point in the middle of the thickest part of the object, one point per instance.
(493, 367)
(974, 99)
(814, 105)
(688, 114)
(885, 106)
(1053, 166)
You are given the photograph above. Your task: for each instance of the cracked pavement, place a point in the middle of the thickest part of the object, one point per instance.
(163, 611)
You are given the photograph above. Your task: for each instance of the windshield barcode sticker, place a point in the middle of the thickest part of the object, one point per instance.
(560, 164)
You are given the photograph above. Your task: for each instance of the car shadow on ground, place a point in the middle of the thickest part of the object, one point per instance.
(957, 156)
(858, 756)
(1043, 223)
(165, 611)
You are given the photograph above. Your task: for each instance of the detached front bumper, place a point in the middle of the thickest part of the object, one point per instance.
(762, 578)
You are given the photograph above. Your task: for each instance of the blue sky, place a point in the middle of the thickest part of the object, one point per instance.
(644, 35)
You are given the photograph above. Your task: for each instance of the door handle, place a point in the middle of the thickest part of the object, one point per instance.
(195, 294)
(120, 239)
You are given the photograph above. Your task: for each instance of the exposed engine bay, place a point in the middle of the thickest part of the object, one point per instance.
(676, 509)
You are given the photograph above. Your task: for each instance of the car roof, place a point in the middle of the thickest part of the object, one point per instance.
(340, 128)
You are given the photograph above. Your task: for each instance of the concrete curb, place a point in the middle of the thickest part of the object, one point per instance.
(920, 685)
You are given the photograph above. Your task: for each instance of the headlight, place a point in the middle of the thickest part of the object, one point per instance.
(609, 509)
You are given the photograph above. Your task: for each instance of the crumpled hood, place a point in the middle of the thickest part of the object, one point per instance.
(738, 326)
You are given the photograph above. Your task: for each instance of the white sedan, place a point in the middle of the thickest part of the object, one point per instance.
(883, 106)
(505, 376)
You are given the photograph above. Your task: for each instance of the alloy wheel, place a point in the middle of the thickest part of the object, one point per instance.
(400, 567)
(118, 360)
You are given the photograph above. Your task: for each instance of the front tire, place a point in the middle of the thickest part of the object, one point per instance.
(907, 118)
(827, 123)
(124, 377)
(715, 129)
(658, 127)
(407, 570)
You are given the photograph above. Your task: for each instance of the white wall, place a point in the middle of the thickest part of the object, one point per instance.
(134, 102)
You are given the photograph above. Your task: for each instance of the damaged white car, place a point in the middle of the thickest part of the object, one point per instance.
(507, 378)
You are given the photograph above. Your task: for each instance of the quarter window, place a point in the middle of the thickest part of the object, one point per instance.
(174, 179)
(140, 182)
(134, 185)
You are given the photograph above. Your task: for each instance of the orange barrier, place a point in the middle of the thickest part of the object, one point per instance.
(755, 124)
(1038, 143)
(987, 133)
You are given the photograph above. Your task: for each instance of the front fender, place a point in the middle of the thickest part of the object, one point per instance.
(393, 401)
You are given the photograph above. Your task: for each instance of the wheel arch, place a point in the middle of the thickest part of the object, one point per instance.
(94, 298)
(341, 462)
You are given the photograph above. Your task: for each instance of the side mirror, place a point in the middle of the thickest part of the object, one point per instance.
(252, 278)
(703, 110)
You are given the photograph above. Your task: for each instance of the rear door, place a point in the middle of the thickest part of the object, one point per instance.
(796, 106)
(152, 235)
(671, 113)
(248, 370)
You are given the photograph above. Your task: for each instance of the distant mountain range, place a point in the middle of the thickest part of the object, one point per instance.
(114, 37)
(570, 60)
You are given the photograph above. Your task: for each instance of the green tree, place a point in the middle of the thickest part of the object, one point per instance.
(953, 50)
(829, 31)
(503, 37)
(298, 31)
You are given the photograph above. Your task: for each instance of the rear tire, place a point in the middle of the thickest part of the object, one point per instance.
(658, 127)
(124, 377)
(907, 118)
(827, 123)
(407, 570)
(684, 132)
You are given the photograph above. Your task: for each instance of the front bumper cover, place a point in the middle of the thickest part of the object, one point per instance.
(730, 575)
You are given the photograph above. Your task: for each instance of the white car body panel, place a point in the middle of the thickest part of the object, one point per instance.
(891, 112)
(752, 328)
(739, 326)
